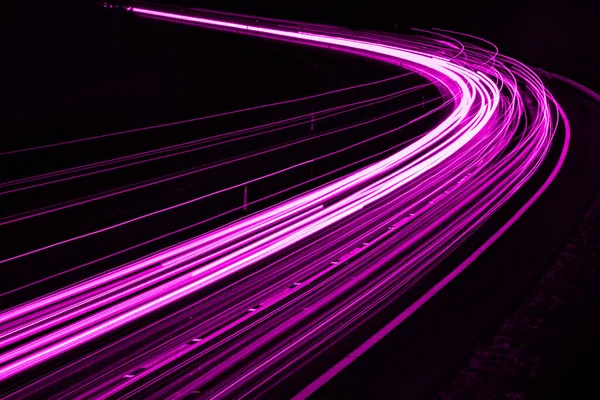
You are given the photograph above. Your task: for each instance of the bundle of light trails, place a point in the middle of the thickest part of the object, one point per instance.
(238, 309)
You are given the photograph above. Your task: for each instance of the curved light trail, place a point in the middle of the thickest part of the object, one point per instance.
(295, 278)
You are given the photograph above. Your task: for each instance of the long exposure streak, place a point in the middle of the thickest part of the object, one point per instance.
(232, 312)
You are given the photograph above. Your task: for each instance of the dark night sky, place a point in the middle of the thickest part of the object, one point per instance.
(60, 56)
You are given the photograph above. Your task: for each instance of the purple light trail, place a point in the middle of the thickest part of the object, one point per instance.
(302, 274)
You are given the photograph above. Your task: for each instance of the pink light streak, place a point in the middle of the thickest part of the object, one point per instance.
(431, 195)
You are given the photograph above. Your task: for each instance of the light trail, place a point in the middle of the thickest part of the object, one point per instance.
(308, 270)
(187, 121)
(213, 141)
(141, 185)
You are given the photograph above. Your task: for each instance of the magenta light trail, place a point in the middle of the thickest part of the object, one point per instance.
(187, 121)
(141, 185)
(304, 272)
(204, 143)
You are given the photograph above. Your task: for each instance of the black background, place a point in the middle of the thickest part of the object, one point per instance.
(69, 56)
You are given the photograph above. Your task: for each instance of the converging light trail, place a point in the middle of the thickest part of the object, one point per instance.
(234, 311)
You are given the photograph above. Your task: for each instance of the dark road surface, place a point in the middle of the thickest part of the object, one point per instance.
(443, 329)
